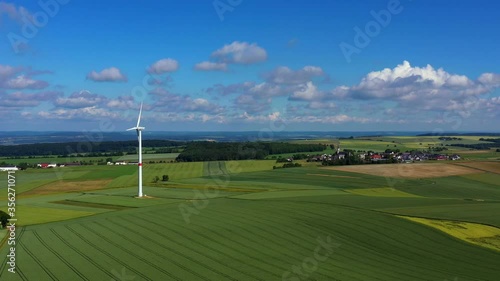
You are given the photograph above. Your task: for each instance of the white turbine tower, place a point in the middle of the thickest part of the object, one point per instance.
(139, 136)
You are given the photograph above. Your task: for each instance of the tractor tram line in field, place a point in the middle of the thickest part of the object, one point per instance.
(68, 264)
(368, 223)
(215, 242)
(169, 249)
(106, 253)
(234, 249)
(288, 233)
(150, 250)
(272, 226)
(363, 225)
(201, 245)
(275, 246)
(164, 257)
(110, 242)
(83, 255)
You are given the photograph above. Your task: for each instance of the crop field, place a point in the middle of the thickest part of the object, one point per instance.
(242, 220)
(415, 170)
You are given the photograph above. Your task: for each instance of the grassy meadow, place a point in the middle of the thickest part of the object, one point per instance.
(242, 220)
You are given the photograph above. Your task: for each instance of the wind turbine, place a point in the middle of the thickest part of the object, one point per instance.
(139, 136)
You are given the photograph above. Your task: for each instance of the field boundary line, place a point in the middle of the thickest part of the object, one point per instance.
(168, 248)
(479, 169)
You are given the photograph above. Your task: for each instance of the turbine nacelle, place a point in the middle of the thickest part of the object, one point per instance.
(137, 129)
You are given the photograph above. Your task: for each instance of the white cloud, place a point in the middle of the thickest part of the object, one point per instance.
(167, 101)
(123, 102)
(21, 99)
(211, 66)
(24, 82)
(284, 75)
(163, 66)
(490, 79)
(240, 53)
(321, 105)
(85, 113)
(307, 92)
(80, 100)
(403, 81)
(111, 74)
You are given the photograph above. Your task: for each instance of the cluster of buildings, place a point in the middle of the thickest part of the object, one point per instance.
(369, 157)
(53, 165)
(122, 163)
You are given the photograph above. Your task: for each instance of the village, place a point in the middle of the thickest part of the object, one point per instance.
(351, 157)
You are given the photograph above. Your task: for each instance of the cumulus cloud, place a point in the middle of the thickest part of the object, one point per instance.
(21, 99)
(163, 66)
(335, 119)
(240, 53)
(24, 82)
(161, 81)
(252, 104)
(307, 92)
(405, 82)
(85, 113)
(167, 101)
(80, 99)
(211, 66)
(284, 75)
(111, 74)
(18, 78)
(490, 79)
(321, 105)
(273, 116)
(122, 102)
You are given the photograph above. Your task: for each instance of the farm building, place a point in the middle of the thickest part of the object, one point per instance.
(46, 165)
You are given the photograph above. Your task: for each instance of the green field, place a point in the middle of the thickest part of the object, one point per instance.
(242, 220)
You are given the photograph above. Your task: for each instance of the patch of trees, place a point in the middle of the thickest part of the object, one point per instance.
(490, 140)
(164, 178)
(168, 150)
(478, 146)
(88, 148)
(288, 165)
(218, 151)
(449, 138)
(281, 159)
(4, 218)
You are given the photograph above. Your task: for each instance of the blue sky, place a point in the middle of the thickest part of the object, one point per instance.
(250, 65)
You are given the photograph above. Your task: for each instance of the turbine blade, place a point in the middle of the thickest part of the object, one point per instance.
(139, 119)
(131, 129)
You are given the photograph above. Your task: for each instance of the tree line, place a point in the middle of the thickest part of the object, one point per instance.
(219, 151)
(105, 148)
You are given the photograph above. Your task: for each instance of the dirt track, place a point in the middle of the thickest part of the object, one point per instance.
(68, 186)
